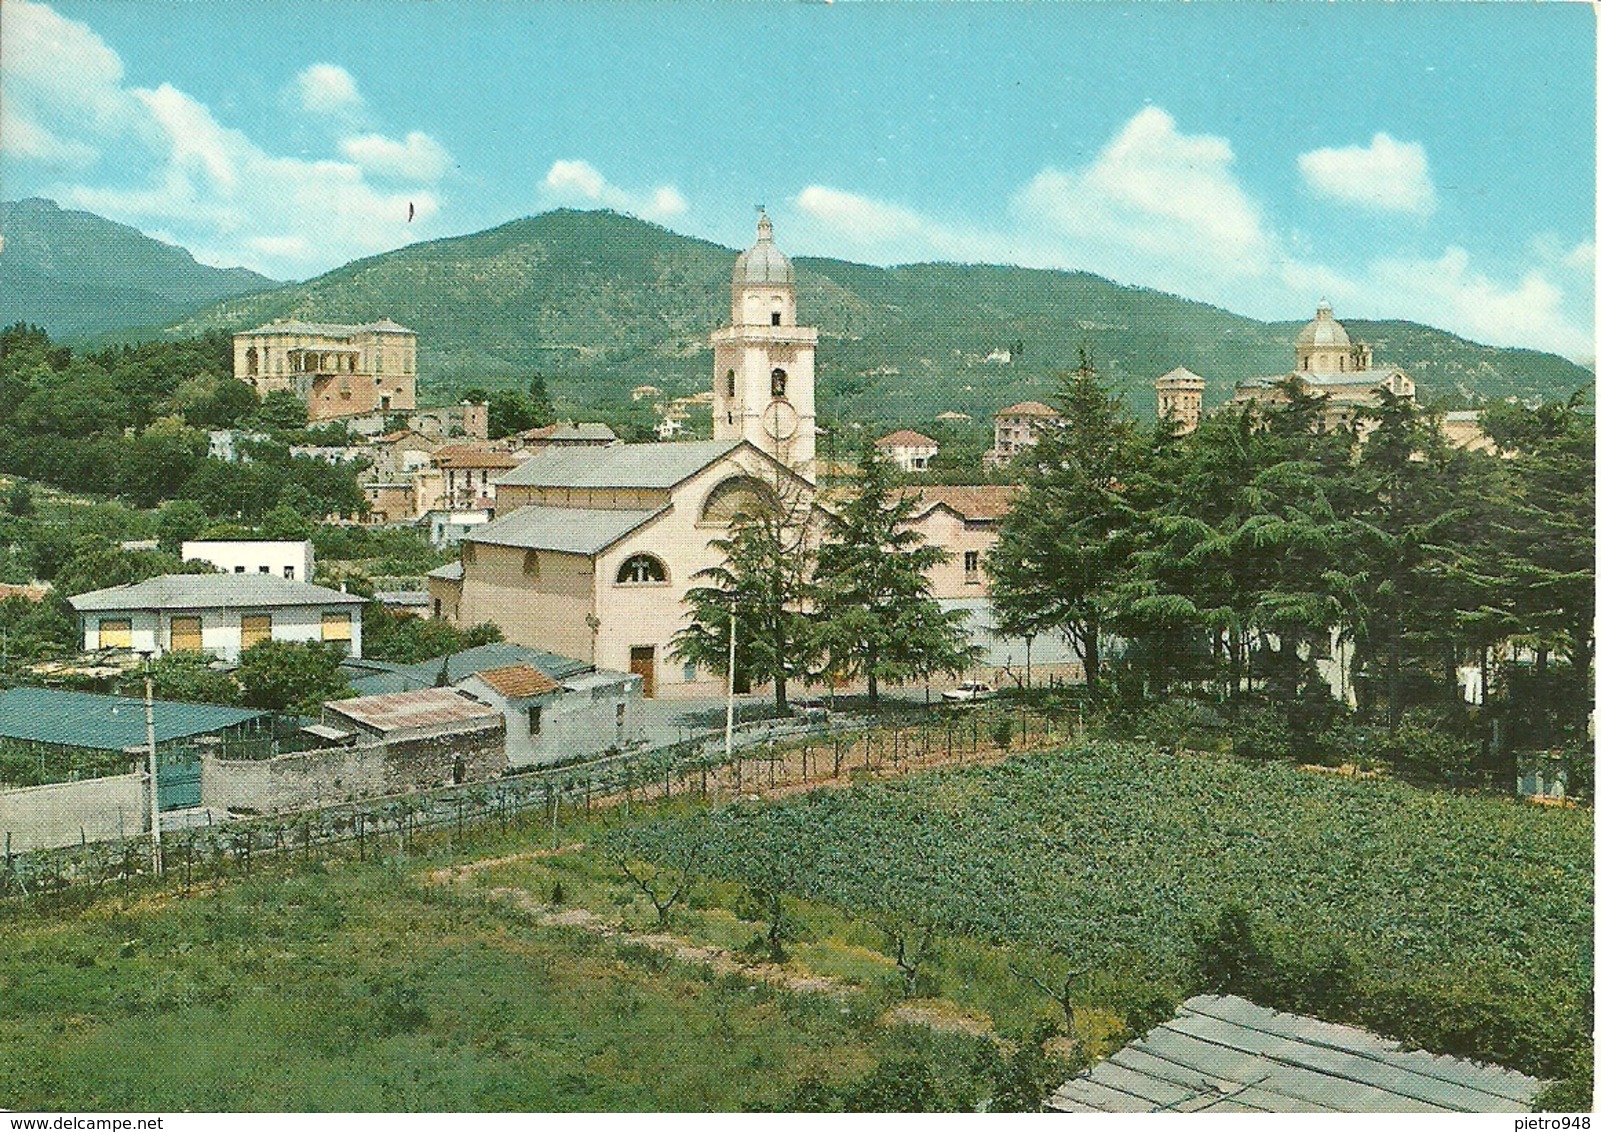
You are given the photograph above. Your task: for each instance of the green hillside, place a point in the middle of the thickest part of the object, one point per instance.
(80, 275)
(600, 302)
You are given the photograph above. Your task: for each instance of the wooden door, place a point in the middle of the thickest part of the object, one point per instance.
(642, 663)
(186, 634)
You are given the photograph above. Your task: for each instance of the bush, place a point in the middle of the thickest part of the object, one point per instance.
(1003, 733)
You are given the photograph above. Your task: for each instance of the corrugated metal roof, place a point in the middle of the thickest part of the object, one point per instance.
(106, 723)
(572, 530)
(1225, 1054)
(210, 591)
(619, 465)
(372, 677)
(419, 708)
(518, 681)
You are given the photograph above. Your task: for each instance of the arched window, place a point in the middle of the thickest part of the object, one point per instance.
(728, 383)
(780, 382)
(641, 569)
(739, 494)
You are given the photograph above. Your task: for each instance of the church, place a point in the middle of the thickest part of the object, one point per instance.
(593, 550)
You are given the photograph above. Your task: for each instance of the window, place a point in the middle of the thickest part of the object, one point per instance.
(254, 627)
(263, 569)
(336, 626)
(469, 553)
(289, 572)
(185, 634)
(534, 722)
(439, 608)
(621, 708)
(238, 569)
(778, 318)
(728, 383)
(691, 673)
(641, 569)
(116, 633)
(780, 382)
(970, 566)
(531, 563)
(731, 497)
(252, 362)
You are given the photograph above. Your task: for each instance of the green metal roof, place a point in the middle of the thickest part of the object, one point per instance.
(106, 723)
(425, 674)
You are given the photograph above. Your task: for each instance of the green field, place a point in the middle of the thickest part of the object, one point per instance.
(1463, 923)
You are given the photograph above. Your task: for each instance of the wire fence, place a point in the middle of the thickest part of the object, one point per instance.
(768, 755)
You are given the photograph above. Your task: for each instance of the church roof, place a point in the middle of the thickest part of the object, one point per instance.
(1323, 330)
(763, 262)
(569, 530)
(619, 465)
(1361, 378)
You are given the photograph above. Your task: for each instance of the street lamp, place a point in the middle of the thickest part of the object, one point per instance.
(150, 745)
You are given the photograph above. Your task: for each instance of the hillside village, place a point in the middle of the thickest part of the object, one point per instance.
(313, 589)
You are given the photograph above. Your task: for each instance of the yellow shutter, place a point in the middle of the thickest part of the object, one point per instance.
(186, 634)
(336, 626)
(116, 634)
(254, 627)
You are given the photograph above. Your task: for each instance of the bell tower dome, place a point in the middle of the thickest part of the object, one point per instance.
(763, 368)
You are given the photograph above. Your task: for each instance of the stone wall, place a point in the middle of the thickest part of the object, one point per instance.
(65, 813)
(340, 774)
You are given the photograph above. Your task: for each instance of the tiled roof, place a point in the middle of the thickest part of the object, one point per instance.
(1365, 378)
(518, 681)
(370, 677)
(27, 591)
(210, 591)
(1180, 374)
(1027, 409)
(330, 329)
(106, 723)
(474, 456)
(971, 501)
(571, 530)
(906, 438)
(1230, 1055)
(422, 708)
(619, 465)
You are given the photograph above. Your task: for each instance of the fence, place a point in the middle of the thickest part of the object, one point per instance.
(827, 745)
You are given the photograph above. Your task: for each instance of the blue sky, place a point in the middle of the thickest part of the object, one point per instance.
(1426, 161)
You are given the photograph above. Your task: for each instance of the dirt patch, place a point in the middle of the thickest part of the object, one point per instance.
(454, 873)
(940, 1014)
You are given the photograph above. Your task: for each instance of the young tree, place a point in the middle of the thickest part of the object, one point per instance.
(764, 584)
(1064, 546)
(291, 676)
(875, 617)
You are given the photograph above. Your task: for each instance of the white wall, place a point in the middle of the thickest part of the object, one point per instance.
(573, 722)
(220, 629)
(63, 813)
(255, 556)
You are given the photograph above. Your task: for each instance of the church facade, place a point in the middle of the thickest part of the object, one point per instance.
(594, 549)
(1329, 365)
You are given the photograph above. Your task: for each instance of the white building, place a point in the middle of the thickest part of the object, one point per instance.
(1018, 427)
(911, 451)
(218, 614)
(549, 720)
(293, 560)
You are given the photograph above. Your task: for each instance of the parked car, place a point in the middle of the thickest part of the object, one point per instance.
(968, 692)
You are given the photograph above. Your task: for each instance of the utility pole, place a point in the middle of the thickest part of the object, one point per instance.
(150, 743)
(728, 726)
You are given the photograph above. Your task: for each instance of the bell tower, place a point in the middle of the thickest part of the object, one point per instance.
(763, 377)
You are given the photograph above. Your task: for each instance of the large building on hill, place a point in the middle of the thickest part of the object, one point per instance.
(1329, 365)
(337, 370)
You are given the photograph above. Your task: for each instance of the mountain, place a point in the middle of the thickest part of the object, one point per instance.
(600, 302)
(78, 274)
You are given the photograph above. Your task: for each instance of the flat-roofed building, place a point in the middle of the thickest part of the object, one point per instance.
(282, 558)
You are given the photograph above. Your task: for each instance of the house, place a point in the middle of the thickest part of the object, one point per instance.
(963, 520)
(470, 471)
(370, 677)
(338, 455)
(549, 720)
(295, 560)
(227, 444)
(425, 738)
(404, 603)
(1018, 427)
(640, 392)
(594, 549)
(564, 434)
(1461, 428)
(396, 455)
(446, 528)
(337, 370)
(1329, 365)
(911, 451)
(669, 427)
(392, 502)
(1224, 1054)
(219, 614)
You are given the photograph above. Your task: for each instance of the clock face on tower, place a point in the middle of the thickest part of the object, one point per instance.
(780, 420)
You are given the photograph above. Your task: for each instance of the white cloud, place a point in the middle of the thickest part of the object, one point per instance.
(575, 182)
(61, 81)
(1386, 175)
(324, 88)
(418, 158)
(1160, 208)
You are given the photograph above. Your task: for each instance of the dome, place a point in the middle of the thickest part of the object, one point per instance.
(1323, 330)
(763, 264)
